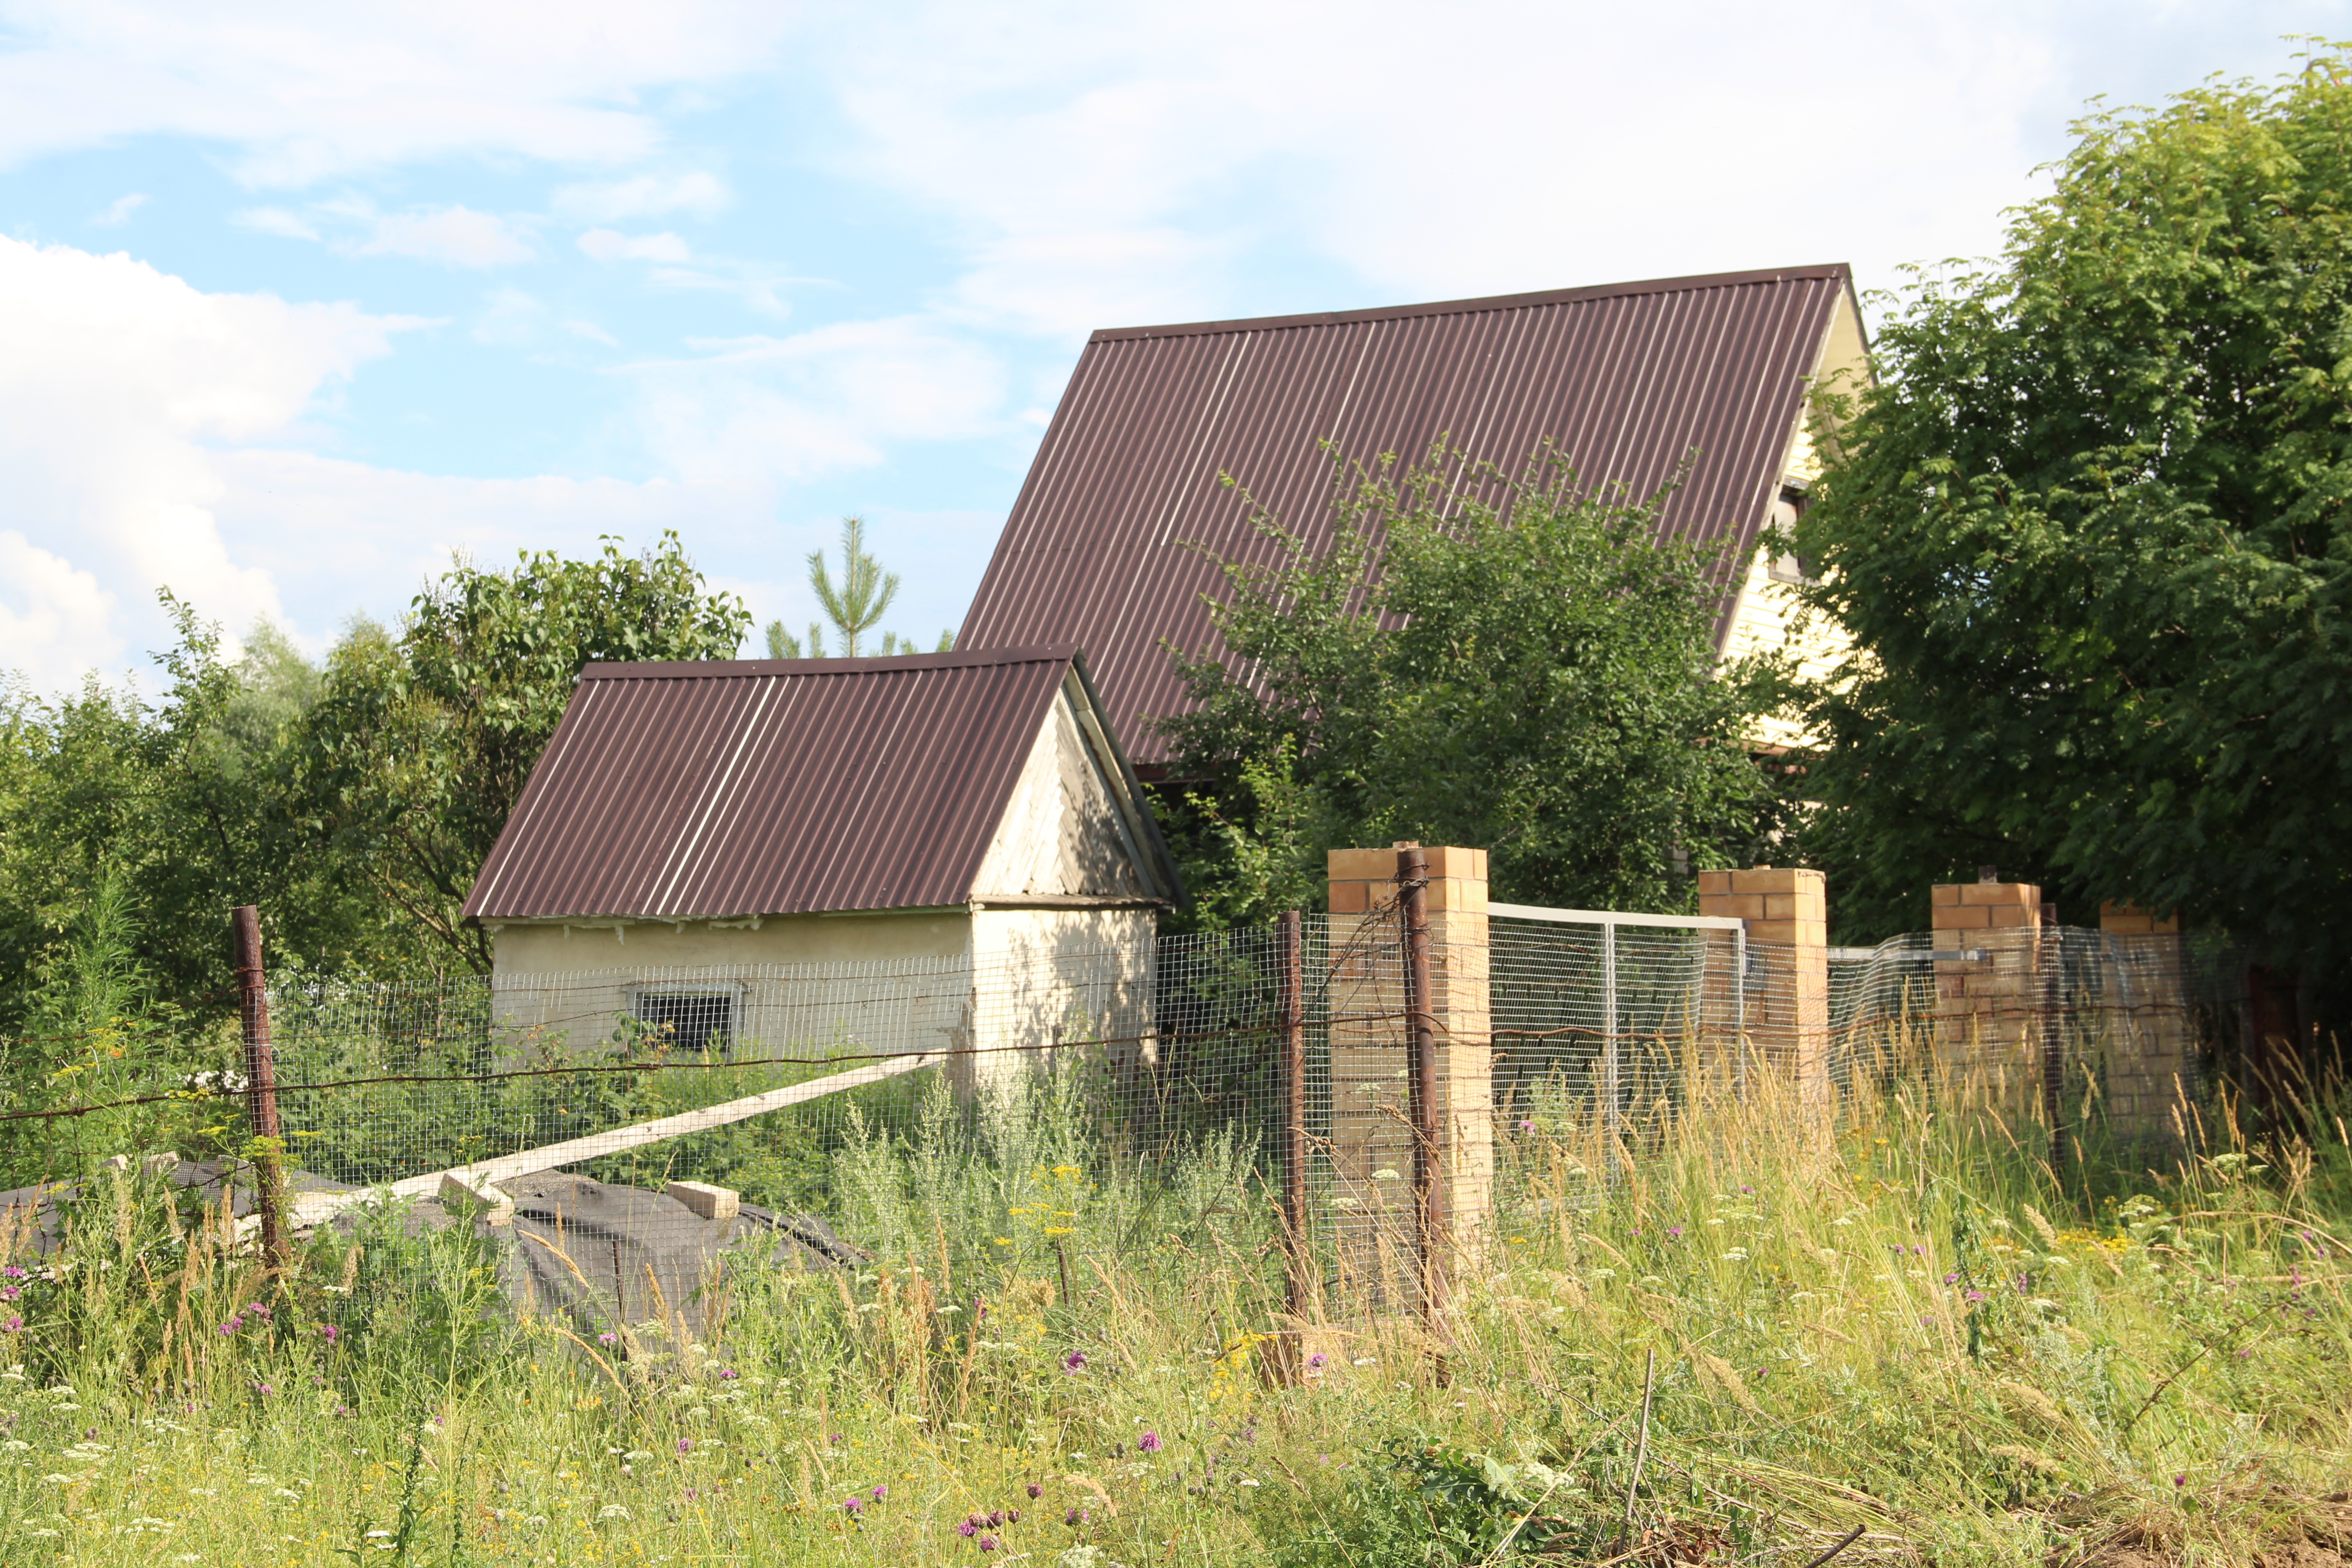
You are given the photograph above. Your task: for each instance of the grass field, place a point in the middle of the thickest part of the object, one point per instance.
(1752, 1345)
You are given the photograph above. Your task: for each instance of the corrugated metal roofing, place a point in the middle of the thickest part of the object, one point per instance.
(773, 786)
(1626, 382)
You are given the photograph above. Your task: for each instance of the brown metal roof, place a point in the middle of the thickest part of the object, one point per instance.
(1625, 381)
(773, 787)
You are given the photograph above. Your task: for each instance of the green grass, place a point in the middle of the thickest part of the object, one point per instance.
(1909, 1329)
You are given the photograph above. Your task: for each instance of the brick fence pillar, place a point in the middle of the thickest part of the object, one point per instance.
(1369, 1050)
(1988, 997)
(2146, 1000)
(1787, 1005)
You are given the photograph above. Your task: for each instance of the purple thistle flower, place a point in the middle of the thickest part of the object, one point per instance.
(608, 1339)
(258, 1312)
(881, 1491)
(328, 1332)
(2180, 1480)
(685, 1445)
(1952, 1278)
(852, 1507)
(1073, 1519)
(12, 1272)
(1075, 1361)
(1035, 1490)
(968, 1529)
(995, 1518)
(837, 1439)
(1012, 1516)
(988, 1544)
(1675, 1230)
(1526, 1126)
(728, 1374)
(1973, 1296)
(263, 1389)
(230, 1327)
(1149, 1443)
(1317, 1361)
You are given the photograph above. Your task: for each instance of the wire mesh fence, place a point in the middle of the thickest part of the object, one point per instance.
(1262, 1098)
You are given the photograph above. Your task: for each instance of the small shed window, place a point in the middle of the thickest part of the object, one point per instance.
(699, 1021)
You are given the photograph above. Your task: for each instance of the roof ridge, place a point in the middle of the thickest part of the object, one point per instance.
(1837, 269)
(864, 664)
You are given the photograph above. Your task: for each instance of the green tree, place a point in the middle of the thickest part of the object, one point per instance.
(175, 808)
(858, 604)
(423, 740)
(2089, 535)
(1534, 675)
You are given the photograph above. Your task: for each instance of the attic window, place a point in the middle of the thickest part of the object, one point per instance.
(699, 1021)
(1786, 568)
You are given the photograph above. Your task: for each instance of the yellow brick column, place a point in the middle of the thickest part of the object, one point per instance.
(1371, 1039)
(2147, 1088)
(1785, 910)
(1989, 986)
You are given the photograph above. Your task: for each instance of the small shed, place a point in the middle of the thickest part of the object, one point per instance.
(692, 827)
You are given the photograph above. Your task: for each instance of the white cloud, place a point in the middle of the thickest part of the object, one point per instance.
(58, 625)
(457, 235)
(610, 245)
(119, 385)
(275, 220)
(120, 210)
(1110, 165)
(816, 402)
(307, 91)
(703, 194)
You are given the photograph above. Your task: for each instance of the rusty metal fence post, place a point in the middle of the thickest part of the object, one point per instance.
(1428, 1173)
(1294, 1106)
(260, 1079)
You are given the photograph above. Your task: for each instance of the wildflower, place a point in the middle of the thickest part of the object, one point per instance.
(685, 1445)
(837, 1439)
(258, 1312)
(1035, 1490)
(9, 1292)
(232, 1326)
(968, 1529)
(852, 1507)
(12, 1272)
(995, 1518)
(1317, 1361)
(2180, 1480)
(1526, 1126)
(881, 1491)
(988, 1544)
(263, 1389)
(1012, 1516)
(728, 1374)
(1675, 1230)
(1973, 1296)
(1149, 1443)
(1952, 1278)
(1074, 1518)
(608, 1339)
(328, 1332)
(1745, 1188)
(1075, 1361)
(1917, 1250)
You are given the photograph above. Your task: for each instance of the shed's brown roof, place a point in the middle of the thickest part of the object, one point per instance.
(1625, 381)
(775, 786)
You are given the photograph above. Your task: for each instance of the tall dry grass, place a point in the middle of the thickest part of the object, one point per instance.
(1731, 1326)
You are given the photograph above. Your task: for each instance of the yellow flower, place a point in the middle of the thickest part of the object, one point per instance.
(1059, 1229)
(1004, 1241)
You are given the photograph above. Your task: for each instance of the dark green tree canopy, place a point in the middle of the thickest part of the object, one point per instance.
(2089, 535)
(423, 741)
(1533, 674)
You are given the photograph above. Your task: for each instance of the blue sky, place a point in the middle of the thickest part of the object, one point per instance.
(301, 300)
